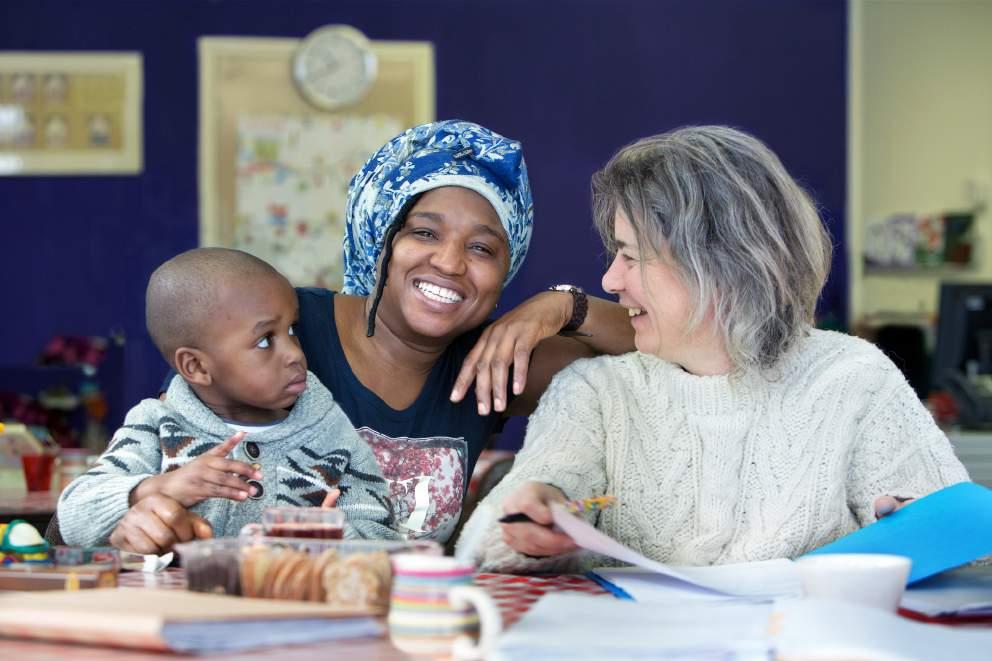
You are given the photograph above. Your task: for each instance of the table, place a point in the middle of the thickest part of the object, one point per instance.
(35, 507)
(513, 594)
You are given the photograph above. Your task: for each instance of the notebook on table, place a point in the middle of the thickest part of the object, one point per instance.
(176, 620)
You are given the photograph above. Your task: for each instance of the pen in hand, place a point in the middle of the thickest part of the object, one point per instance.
(517, 517)
(574, 506)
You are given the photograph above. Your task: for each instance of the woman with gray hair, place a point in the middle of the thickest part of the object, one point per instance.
(737, 431)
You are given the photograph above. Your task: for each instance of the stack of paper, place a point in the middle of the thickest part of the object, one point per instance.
(822, 629)
(577, 626)
(753, 581)
(718, 612)
(962, 592)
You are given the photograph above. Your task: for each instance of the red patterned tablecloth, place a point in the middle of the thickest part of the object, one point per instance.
(514, 595)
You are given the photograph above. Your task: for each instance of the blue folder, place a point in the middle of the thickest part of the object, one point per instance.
(941, 531)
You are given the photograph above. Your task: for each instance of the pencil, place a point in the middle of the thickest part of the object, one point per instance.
(590, 504)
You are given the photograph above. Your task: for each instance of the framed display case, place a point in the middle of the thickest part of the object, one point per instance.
(70, 113)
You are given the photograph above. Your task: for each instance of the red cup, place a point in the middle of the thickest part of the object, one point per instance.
(38, 471)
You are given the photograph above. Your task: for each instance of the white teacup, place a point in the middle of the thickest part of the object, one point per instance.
(869, 579)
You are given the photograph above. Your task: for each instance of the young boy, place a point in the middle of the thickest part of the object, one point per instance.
(224, 320)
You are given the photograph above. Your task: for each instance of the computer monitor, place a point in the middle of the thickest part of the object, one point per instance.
(962, 361)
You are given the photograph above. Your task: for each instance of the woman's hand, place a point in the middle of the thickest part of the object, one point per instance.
(509, 341)
(211, 475)
(885, 505)
(538, 538)
(155, 524)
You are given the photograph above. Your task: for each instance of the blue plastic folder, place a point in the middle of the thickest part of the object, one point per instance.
(941, 531)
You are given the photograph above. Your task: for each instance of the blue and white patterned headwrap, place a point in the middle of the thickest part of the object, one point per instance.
(447, 153)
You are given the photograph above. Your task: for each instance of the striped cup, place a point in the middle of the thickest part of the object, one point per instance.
(435, 610)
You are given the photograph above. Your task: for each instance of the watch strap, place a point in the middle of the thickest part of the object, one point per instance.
(580, 307)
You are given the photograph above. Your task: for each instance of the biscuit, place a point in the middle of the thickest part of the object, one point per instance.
(319, 564)
(254, 563)
(294, 578)
(276, 559)
(358, 581)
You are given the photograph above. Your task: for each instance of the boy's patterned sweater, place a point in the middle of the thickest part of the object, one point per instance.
(313, 449)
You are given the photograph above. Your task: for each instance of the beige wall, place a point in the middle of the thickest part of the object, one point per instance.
(920, 133)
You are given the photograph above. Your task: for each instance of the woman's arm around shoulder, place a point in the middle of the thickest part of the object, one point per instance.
(526, 342)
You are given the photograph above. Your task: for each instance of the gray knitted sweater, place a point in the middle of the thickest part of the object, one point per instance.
(314, 448)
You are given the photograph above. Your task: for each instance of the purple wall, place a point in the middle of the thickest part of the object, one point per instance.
(572, 79)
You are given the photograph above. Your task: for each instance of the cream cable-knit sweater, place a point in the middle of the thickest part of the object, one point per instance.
(720, 469)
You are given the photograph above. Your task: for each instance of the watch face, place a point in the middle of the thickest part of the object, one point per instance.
(334, 66)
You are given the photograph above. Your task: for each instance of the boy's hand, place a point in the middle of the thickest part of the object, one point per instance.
(155, 524)
(331, 499)
(211, 475)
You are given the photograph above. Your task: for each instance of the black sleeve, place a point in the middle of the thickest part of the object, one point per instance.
(316, 332)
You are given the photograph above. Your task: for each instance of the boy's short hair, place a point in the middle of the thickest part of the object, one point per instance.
(182, 293)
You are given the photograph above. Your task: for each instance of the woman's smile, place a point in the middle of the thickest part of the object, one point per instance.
(438, 293)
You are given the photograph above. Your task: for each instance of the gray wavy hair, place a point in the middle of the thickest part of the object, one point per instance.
(744, 236)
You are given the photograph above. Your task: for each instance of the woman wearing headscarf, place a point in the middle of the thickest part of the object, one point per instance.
(736, 432)
(438, 221)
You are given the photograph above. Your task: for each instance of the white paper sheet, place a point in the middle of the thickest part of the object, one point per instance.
(750, 581)
(753, 580)
(577, 626)
(822, 629)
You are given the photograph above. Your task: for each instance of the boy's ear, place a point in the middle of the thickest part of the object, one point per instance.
(193, 365)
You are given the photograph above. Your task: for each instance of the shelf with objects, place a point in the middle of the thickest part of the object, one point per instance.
(920, 244)
(74, 387)
(906, 256)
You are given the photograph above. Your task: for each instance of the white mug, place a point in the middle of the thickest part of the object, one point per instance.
(869, 579)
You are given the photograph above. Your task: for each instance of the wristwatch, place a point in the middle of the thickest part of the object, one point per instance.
(580, 305)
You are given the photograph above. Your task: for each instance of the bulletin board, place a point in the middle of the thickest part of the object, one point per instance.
(274, 170)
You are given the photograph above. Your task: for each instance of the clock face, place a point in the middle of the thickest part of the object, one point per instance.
(334, 66)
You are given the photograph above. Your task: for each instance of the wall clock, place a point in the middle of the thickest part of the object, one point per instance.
(334, 66)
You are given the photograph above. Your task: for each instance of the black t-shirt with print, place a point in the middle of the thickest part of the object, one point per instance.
(427, 451)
